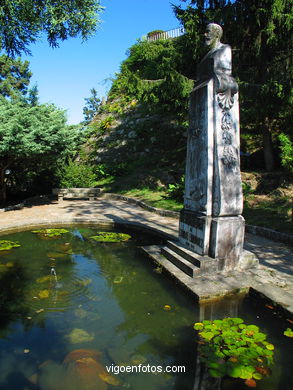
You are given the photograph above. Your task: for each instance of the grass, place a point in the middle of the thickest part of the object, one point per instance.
(273, 212)
(155, 198)
(269, 211)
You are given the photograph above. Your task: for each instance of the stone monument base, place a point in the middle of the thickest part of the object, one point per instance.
(220, 238)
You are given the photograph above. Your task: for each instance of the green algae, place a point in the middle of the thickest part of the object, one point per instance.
(6, 245)
(110, 237)
(50, 233)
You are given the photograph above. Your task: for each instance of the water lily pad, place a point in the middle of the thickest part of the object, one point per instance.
(118, 279)
(288, 332)
(43, 279)
(110, 237)
(44, 294)
(54, 255)
(83, 283)
(50, 232)
(79, 336)
(6, 245)
(138, 359)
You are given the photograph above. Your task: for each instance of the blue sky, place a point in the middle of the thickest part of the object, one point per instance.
(65, 75)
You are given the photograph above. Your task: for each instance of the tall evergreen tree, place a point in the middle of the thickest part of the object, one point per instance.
(260, 33)
(14, 77)
(30, 136)
(22, 21)
(92, 106)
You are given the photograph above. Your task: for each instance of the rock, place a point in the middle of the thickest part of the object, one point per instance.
(80, 313)
(82, 353)
(79, 336)
(83, 374)
(33, 379)
(84, 371)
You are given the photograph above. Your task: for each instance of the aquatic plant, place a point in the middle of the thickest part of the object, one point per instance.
(230, 347)
(50, 232)
(6, 245)
(110, 237)
(288, 332)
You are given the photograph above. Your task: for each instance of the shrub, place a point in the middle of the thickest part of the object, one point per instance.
(76, 174)
(286, 147)
(176, 191)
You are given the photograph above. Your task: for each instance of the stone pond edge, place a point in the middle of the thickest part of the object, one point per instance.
(271, 234)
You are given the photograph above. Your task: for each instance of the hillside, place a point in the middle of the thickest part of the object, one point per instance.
(137, 140)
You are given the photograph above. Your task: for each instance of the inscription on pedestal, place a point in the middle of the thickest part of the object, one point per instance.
(194, 231)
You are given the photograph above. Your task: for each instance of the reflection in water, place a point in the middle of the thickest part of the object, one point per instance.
(102, 305)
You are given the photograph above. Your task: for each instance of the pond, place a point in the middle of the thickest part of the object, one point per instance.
(73, 309)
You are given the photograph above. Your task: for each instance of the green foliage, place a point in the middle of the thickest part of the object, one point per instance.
(6, 245)
(14, 77)
(22, 22)
(260, 33)
(92, 106)
(286, 147)
(76, 174)
(152, 75)
(154, 32)
(176, 191)
(50, 232)
(100, 126)
(111, 237)
(288, 332)
(32, 138)
(230, 347)
(247, 190)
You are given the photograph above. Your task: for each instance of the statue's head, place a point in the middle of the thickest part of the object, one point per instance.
(213, 35)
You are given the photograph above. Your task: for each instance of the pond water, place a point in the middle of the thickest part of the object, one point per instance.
(71, 307)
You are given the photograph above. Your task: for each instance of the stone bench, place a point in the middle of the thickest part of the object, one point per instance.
(76, 193)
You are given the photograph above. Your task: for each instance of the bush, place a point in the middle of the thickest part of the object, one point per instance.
(176, 191)
(77, 175)
(286, 152)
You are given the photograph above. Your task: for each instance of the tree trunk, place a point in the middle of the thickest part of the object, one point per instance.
(268, 149)
(2, 186)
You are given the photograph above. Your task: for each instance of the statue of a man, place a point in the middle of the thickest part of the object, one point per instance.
(217, 63)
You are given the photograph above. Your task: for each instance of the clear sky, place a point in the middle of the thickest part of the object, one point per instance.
(66, 74)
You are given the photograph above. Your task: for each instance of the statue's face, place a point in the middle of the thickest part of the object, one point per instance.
(211, 36)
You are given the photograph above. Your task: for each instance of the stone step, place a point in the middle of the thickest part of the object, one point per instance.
(205, 263)
(186, 253)
(180, 262)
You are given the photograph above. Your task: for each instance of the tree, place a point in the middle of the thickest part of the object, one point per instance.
(22, 21)
(32, 136)
(153, 75)
(260, 33)
(92, 106)
(14, 77)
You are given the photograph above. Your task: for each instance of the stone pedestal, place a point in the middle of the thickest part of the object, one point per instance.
(211, 223)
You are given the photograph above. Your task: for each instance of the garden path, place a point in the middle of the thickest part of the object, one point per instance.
(274, 276)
